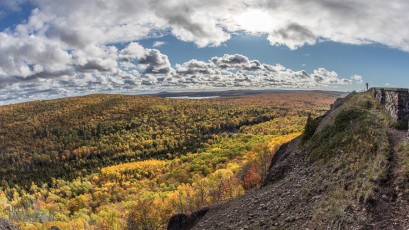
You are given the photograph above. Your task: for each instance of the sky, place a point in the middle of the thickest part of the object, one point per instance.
(58, 48)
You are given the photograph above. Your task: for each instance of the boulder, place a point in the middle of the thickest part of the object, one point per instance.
(182, 221)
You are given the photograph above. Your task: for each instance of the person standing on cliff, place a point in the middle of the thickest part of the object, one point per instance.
(367, 86)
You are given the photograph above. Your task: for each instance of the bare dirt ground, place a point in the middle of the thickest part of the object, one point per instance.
(280, 204)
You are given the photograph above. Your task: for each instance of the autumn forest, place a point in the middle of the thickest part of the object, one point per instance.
(130, 162)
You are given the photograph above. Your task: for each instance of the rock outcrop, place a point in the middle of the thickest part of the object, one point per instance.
(182, 221)
(395, 101)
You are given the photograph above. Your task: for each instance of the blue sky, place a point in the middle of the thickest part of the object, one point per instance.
(51, 49)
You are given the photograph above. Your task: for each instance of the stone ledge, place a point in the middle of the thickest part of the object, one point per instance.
(390, 89)
(394, 100)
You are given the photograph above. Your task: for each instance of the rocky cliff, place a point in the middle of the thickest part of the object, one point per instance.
(350, 171)
(395, 101)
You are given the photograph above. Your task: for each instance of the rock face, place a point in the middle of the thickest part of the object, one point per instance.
(395, 100)
(184, 222)
(277, 173)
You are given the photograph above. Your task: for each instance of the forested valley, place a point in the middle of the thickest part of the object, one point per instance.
(130, 162)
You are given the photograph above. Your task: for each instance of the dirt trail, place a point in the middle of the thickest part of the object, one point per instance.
(390, 210)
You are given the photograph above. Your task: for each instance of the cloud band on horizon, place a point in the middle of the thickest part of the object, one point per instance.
(148, 69)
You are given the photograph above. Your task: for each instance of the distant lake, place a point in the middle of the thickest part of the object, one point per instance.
(193, 98)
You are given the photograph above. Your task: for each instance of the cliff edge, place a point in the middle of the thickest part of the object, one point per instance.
(349, 170)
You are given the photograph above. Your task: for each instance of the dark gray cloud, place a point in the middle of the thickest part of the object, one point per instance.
(297, 32)
(293, 35)
(229, 61)
(254, 65)
(72, 38)
(192, 21)
(155, 61)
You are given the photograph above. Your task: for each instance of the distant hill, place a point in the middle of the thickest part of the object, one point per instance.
(349, 170)
(236, 93)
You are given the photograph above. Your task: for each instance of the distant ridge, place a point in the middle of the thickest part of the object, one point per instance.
(233, 93)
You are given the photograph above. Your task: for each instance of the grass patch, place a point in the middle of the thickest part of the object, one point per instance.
(403, 177)
(355, 129)
(352, 148)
